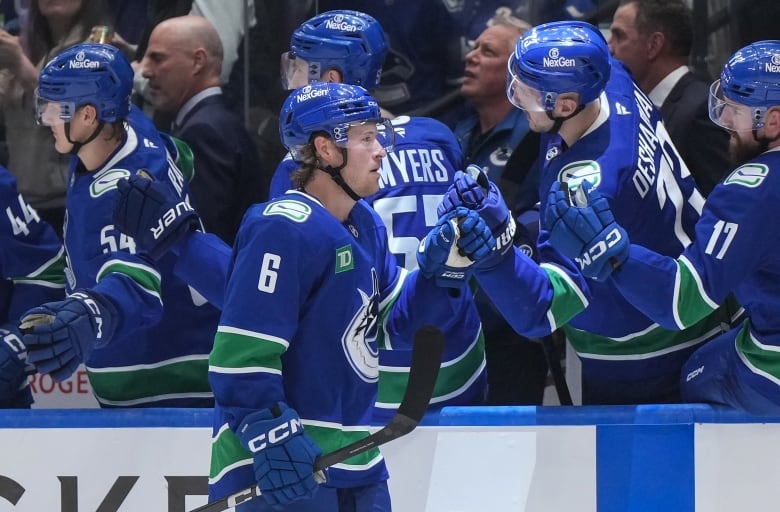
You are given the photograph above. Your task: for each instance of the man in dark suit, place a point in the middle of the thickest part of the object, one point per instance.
(182, 63)
(653, 38)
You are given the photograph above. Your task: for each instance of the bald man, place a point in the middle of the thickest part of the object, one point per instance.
(182, 64)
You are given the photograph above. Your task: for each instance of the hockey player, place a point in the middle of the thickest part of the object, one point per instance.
(596, 126)
(311, 291)
(734, 248)
(31, 271)
(143, 335)
(348, 46)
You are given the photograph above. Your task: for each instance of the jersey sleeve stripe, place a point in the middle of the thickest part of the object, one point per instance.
(146, 277)
(759, 357)
(568, 299)
(242, 352)
(227, 454)
(49, 275)
(690, 302)
(52, 267)
(245, 370)
(44, 284)
(226, 329)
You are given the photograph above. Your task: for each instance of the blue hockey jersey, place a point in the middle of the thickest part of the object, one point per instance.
(735, 252)
(626, 153)
(158, 355)
(308, 302)
(31, 266)
(414, 178)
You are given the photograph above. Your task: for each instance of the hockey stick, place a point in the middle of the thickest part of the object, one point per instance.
(554, 363)
(426, 358)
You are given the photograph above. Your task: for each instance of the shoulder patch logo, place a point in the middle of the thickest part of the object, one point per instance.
(344, 259)
(296, 211)
(106, 181)
(574, 173)
(750, 175)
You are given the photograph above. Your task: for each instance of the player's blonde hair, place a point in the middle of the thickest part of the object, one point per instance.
(309, 164)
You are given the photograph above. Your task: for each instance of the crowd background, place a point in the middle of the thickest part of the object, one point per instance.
(422, 75)
(251, 65)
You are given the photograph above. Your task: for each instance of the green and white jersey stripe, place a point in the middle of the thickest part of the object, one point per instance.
(145, 276)
(691, 301)
(50, 274)
(128, 386)
(568, 299)
(455, 376)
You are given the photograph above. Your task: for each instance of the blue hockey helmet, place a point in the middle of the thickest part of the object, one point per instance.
(555, 58)
(85, 74)
(748, 86)
(332, 108)
(350, 41)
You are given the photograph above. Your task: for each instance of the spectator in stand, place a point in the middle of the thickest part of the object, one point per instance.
(493, 128)
(653, 38)
(516, 368)
(227, 18)
(182, 63)
(51, 27)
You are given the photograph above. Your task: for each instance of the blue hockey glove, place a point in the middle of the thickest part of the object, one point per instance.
(475, 240)
(587, 232)
(60, 335)
(440, 256)
(155, 219)
(283, 453)
(13, 369)
(475, 191)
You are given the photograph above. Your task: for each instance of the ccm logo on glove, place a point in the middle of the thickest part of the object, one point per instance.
(599, 248)
(94, 309)
(276, 435)
(169, 216)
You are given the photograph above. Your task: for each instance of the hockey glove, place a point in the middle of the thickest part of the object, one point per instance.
(475, 191)
(153, 218)
(283, 453)
(13, 369)
(60, 335)
(439, 255)
(586, 233)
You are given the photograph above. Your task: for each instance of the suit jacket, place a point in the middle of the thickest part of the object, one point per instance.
(229, 176)
(702, 144)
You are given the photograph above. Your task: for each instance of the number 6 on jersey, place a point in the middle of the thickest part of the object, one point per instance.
(267, 281)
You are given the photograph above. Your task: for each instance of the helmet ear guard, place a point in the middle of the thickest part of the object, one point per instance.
(556, 58)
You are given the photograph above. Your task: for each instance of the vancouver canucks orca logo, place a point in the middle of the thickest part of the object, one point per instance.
(106, 180)
(359, 340)
(576, 172)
